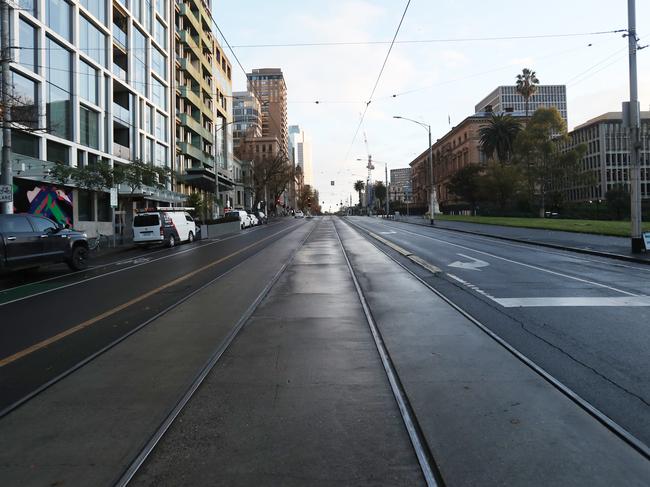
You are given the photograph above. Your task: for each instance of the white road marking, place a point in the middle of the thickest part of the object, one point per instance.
(387, 233)
(618, 301)
(591, 301)
(475, 265)
(530, 266)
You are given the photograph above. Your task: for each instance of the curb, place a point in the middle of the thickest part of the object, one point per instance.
(579, 250)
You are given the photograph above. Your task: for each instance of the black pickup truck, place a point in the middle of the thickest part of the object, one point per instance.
(29, 241)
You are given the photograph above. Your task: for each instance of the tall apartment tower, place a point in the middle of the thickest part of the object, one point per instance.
(269, 86)
(300, 152)
(505, 99)
(203, 95)
(247, 112)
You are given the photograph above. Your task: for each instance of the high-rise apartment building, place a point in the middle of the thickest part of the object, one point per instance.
(606, 160)
(96, 75)
(505, 99)
(300, 152)
(247, 115)
(203, 77)
(269, 86)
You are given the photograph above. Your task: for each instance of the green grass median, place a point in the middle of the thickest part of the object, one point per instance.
(600, 227)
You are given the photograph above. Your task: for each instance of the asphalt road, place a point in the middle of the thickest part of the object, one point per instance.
(52, 320)
(585, 320)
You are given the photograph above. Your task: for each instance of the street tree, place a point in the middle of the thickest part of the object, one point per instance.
(498, 137)
(526, 86)
(500, 184)
(380, 192)
(358, 187)
(465, 184)
(538, 151)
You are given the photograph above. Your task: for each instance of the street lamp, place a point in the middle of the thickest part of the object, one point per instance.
(433, 203)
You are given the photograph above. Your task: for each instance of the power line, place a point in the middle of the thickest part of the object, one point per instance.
(431, 41)
(381, 71)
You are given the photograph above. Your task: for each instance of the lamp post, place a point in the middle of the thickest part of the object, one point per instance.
(433, 202)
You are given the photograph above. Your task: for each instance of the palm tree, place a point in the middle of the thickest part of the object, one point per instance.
(498, 136)
(527, 85)
(358, 187)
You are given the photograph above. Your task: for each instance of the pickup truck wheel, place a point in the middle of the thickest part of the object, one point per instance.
(79, 258)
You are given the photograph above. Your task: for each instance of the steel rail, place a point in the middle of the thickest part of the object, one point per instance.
(427, 464)
(126, 335)
(153, 441)
(592, 410)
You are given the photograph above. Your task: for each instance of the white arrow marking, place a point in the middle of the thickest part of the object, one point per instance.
(472, 266)
(387, 233)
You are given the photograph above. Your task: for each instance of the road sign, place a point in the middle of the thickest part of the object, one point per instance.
(646, 240)
(6, 193)
(114, 197)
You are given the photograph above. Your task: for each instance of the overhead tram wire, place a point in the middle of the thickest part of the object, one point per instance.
(429, 41)
(381, 71)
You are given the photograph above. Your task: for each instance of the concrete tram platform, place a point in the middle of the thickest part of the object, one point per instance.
(301, 398)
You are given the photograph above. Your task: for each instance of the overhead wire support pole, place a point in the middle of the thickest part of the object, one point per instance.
(634, 124)
(6, 175)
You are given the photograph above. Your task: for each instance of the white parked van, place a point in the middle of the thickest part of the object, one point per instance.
(163, 225)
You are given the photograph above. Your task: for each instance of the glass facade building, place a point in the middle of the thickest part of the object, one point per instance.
(95, 88)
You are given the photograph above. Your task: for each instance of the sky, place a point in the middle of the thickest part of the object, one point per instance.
(434, 82)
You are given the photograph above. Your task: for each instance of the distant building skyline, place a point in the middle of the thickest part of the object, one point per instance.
(505, 99)
(301, 152)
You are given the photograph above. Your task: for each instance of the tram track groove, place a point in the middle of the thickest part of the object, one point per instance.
(25, 399)
(586, 406)
(130, 472)
(424, 456)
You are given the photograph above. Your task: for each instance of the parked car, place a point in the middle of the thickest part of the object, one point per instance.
(261, 217)
(299, 214)
(167, 226)
(253, 219)
(28, 241)
(244, 221)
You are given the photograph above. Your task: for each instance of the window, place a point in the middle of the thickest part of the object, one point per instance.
(59, 87)
(161, 33)
(88, 127)
(88, 80)
(25, 108)
(159, 62)
(103, 207)
(97, 8)
(41, 224)
(16, 224)
(161, 156)
(158, 93)
(27, 54)
(28, 6)
(25, 144)
(58, 153)
(140, 62)
(57, 17)
(161, 127)
(92, 41)
(85, 206)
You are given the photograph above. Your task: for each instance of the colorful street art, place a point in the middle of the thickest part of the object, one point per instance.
(43, 199)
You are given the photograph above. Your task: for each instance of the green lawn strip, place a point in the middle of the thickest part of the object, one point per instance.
(599, 227)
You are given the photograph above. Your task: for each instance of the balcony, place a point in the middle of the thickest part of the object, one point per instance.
(122, 114)
(196, 153)
(120, 37)
(187, 39)
(190, 122)
(121, 151)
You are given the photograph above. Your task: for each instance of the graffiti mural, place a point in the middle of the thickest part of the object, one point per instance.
(43, 199)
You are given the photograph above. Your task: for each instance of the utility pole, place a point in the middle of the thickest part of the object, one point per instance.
(432, 193)
(633, 124)
(6, 176)
(387, 193)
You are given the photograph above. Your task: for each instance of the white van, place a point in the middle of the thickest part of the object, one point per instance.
(163, 225)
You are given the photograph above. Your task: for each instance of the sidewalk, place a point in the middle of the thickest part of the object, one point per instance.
(601, 245)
